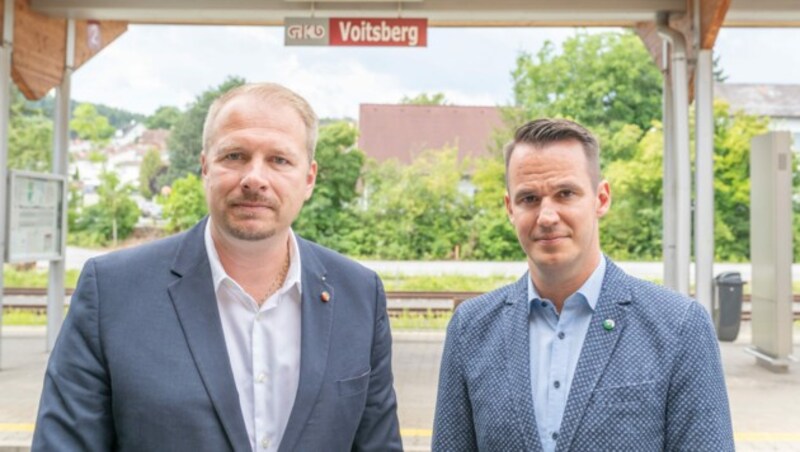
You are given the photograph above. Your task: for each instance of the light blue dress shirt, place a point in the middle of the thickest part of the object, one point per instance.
(555, 345)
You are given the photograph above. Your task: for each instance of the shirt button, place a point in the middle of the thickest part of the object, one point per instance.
(265, 442)
(262, 377)
(555, 435)
(561, 335)
(258, 316)
(557, 385)
(544, 304)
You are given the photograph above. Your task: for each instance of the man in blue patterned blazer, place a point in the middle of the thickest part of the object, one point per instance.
(576, 355)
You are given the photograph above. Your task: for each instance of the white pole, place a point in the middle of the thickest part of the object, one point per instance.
(680, 104)
(668, 185)
(704, 179)
(55, 286)
(5, 107)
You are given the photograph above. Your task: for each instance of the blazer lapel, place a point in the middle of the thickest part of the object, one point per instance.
(517, 357)
(196, 305)
(315, 325)
(597, 349)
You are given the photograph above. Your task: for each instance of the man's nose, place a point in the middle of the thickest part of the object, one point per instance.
(548, 215)
(256, 177)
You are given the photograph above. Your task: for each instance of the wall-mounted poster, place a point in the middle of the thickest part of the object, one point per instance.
(35, 217)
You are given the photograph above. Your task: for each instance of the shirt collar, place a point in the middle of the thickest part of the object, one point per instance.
(219, 275)
(590, 290)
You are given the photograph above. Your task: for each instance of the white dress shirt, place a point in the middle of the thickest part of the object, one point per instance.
(263, 347)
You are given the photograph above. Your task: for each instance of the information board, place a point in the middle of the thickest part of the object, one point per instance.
(35, 216)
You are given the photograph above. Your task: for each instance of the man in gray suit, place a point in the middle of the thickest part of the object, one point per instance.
(236, 335)
(576, 355)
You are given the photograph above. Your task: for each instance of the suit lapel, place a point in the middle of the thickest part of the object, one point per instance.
(517, 357)
(316, 321)
(598, 347)
(196, 305)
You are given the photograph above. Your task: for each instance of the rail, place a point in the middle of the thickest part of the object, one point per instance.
(436, 302)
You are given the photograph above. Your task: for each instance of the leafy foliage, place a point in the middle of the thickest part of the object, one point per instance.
(149, 171)
(425, 99)
(91, 125)
(186, 203)
(416, 211)
(603, 79)
(165, 117)
(115, 214)
(732, 181)
(330, 216)
(30, 138)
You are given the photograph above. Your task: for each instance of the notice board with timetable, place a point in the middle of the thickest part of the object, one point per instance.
(36, 216)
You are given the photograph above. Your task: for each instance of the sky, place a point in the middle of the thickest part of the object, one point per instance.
(154, 65)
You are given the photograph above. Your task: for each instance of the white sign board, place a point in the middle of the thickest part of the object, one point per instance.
(36, 212)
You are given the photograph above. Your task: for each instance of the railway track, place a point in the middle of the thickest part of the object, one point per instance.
(437, 303)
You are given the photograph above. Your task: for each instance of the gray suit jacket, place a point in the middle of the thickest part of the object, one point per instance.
(654, 382)
(141, 362)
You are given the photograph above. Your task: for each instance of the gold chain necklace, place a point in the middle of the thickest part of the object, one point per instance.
(277, 283)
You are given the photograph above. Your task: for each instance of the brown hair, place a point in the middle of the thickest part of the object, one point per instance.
(268, 93)
(541, 132)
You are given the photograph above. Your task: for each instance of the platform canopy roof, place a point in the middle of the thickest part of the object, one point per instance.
(40, 25)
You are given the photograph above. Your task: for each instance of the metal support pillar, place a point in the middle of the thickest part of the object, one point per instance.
(5, 108)
(704, 179)
(669, 194)
(680, 142)
(55, 286)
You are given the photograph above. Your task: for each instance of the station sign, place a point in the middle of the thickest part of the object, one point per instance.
(361, 31)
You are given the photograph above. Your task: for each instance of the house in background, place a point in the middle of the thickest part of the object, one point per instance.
(402, 131)
(781, 103)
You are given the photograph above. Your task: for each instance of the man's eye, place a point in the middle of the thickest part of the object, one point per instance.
(233, 156)
(567, 193)
(280, 160)
(530, 199)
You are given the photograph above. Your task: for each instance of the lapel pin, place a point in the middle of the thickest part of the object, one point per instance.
(325, 296)
(608, 324)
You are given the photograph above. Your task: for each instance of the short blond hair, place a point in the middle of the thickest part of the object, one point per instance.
(268, 93)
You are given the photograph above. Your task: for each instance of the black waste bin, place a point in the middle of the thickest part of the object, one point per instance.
(727, 309)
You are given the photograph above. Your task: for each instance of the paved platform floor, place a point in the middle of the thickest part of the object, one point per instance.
(766, 412)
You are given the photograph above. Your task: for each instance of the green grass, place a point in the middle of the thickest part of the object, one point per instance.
(18, 317)
(444, 283)
(425, 321)
(34, 278)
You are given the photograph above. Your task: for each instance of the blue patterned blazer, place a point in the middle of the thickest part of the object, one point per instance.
(654, 382)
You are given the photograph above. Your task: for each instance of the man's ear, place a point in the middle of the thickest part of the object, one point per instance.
(311, 179)
(509, 208)
(603, 198)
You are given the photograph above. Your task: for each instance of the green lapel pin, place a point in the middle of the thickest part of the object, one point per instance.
(608, 324)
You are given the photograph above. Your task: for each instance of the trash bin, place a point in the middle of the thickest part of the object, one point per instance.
(727, 309)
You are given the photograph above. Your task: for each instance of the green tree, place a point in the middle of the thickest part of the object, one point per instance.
(330, 216)
(30, 137)
(416, 211)
(491, 235)
(602, 80)
(732, 136)
(186, 140)
(425, 99)
(90, 125)
(632, 228)
(114, 215)
(186, 203)
(149, 170)
(165, 117)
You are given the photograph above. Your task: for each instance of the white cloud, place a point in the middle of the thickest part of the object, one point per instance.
(152, 65)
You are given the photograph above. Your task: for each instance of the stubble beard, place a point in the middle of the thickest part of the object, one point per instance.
(265, 228)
